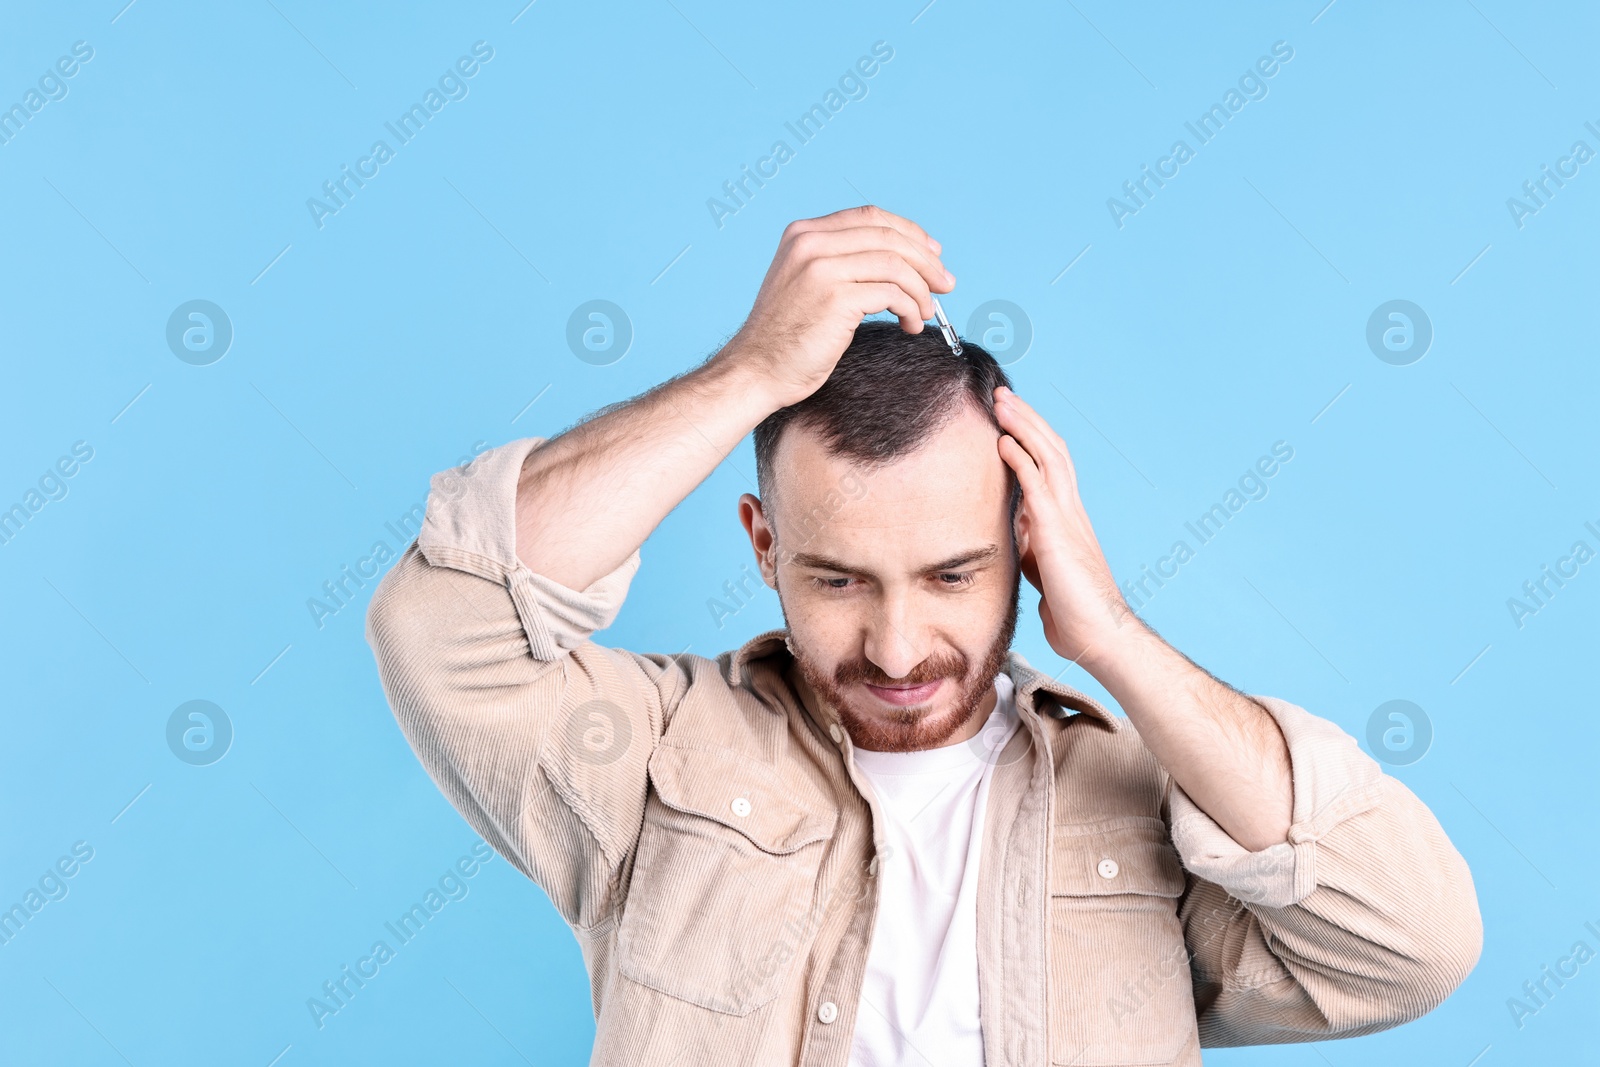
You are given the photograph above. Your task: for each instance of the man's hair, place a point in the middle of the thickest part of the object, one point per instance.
(888, 394)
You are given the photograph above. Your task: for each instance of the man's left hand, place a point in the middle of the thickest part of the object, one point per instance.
(1222, 746)
(1083, 611)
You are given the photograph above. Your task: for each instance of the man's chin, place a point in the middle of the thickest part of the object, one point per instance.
(877, 723)
(880, 726)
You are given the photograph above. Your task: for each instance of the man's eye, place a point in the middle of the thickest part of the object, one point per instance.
(955, 578)
(833, 585)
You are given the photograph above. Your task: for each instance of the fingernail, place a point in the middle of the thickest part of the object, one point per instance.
(935, 245)
(949, 279)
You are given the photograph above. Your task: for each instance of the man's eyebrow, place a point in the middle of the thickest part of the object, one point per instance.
(986, 554)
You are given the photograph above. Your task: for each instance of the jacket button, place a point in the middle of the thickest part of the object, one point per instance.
(828, 1012)
(1108, 868)
(741, 807)
(835, 733)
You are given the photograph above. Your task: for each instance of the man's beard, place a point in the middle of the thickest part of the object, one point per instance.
(912, 729)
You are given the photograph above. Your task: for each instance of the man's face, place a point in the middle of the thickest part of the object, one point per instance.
(900, 585)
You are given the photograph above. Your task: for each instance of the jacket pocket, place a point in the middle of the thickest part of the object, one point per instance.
(1121, 991)
(721, 896)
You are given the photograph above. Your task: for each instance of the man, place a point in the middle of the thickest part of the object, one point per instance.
(878, 837)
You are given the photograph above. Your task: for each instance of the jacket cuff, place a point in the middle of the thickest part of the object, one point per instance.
(1333, 781)
(471, 525)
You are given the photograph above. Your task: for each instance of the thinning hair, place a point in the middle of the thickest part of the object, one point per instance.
(888, 395)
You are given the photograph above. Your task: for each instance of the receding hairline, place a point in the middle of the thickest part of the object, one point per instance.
(951, 407)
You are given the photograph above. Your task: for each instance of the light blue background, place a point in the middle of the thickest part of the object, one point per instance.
(425, 316)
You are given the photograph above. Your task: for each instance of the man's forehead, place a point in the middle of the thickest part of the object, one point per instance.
(959, 454)
(943, 502)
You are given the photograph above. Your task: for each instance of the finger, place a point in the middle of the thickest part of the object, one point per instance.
(1024, 430)
(1019, 459)
(1030, 428)
(883, 267)
(866, 215)
(873, 297)
(1026, 412)
(817, 244)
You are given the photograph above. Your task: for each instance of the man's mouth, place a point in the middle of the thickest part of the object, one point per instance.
(904, 696)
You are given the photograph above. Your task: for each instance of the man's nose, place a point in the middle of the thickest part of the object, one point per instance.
(896, 639)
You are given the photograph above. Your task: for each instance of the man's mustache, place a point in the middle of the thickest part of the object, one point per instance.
(951, 666)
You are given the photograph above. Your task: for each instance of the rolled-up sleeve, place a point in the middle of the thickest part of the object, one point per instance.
(1364, 918)
(537, 735)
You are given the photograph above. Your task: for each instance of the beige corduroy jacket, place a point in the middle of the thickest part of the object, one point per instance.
(700, 825)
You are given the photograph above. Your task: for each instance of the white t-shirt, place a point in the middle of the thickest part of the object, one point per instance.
(919, 998)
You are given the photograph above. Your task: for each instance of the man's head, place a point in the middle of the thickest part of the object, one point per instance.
(886, 525)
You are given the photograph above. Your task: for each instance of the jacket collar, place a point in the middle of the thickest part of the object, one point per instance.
(1036, 691)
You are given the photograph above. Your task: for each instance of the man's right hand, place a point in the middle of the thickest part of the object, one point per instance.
(588, 498)
(829, 274)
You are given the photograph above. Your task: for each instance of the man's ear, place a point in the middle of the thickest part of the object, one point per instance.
(1019, 517)
(763, 540)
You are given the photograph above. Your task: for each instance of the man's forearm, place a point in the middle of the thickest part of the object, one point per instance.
(587, 499)
(1223, 748)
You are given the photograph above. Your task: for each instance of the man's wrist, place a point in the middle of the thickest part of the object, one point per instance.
(1126, 655)
(733, 373)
